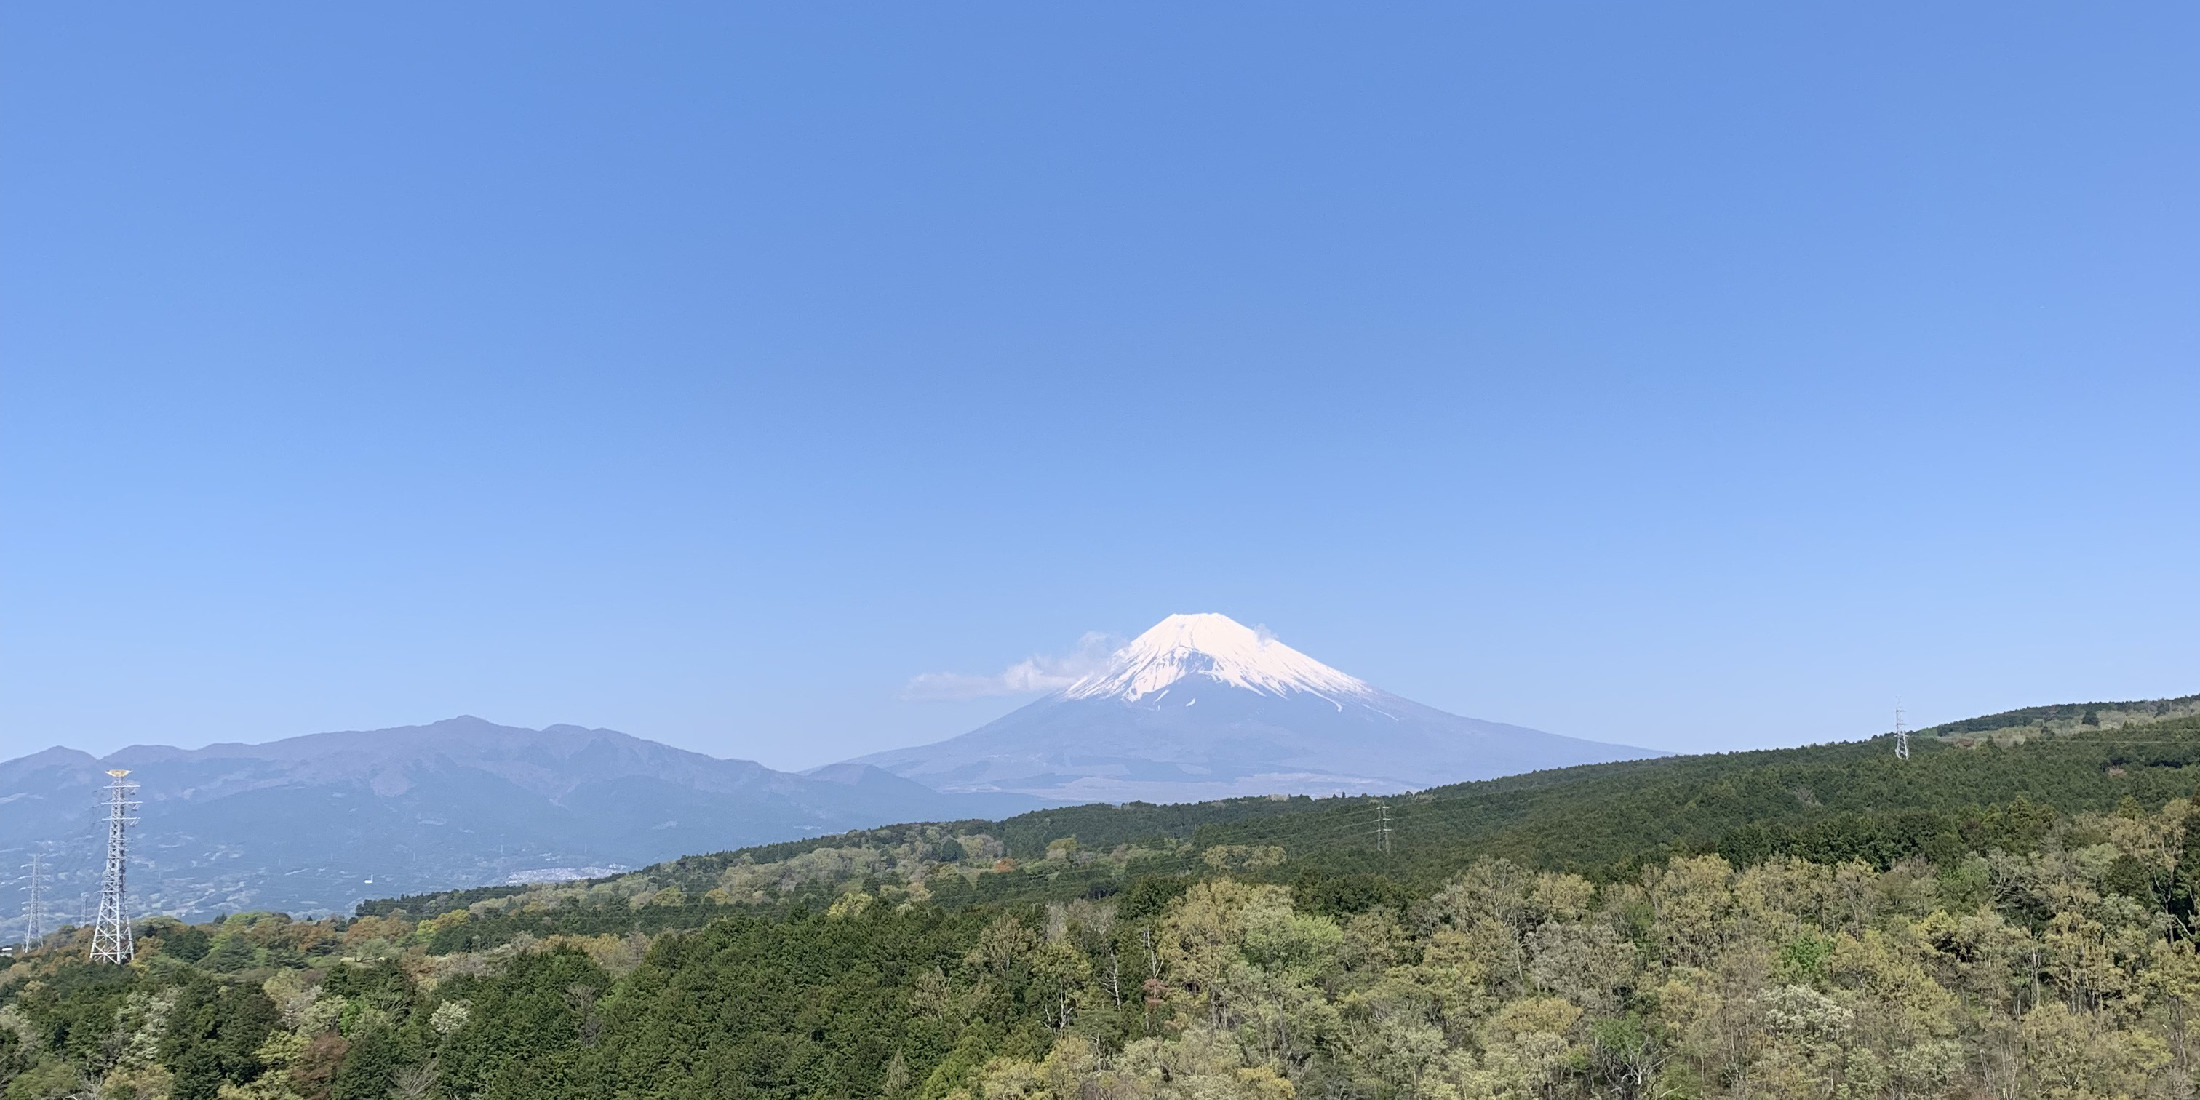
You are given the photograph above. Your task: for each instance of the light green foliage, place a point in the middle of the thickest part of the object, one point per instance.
(1741, 941)
(48, 1079)
(1787, 978)
(450, 1016)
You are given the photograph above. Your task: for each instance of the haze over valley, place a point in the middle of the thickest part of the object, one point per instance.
(1197, 708)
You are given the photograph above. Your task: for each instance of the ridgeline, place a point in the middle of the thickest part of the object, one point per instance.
(2011, 911)
(1969, 786)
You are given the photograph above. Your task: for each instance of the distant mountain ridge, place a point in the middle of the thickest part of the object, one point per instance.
(313, 823)
(1828, 802)
(1202, 707)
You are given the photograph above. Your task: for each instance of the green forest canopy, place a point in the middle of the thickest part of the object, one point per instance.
(2009, 912)
(1604, 821)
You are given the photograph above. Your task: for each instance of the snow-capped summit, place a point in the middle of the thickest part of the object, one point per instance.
(1202, 706)
(1212, 647)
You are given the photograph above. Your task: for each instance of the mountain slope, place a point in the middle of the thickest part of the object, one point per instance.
(1202, 707)
(1935, 892)
(1831, 803)
(313, 823)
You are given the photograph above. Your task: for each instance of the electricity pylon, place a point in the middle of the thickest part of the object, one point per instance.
(1901, 737)
(31, 914)
(111, 936)
(1382, 827)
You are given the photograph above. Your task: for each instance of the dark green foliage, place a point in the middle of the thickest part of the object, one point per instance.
(1150, 894)
(1826, 803)
(231, 952)
(526, 1027)
(1340, 896)
(801, 997)
(380, 985)
(74, 1010)
(184, 942)
(13, 1059)
(2027, 716)
(581, 920)
(708, 1015)
(214, 1031)
(370, 1065)
(431, 905)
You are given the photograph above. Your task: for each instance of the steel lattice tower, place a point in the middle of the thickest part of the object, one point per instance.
(111, 935)
(1901, 737)
(32, 914)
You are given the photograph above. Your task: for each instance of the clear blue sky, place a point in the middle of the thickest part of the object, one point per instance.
(1696, 376)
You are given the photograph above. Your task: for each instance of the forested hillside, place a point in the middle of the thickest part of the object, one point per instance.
(1825, 802)
(1979, 920)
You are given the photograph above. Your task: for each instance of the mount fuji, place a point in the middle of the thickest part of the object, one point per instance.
(1203, 707)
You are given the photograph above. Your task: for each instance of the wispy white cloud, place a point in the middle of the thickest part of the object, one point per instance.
(1031, 676)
